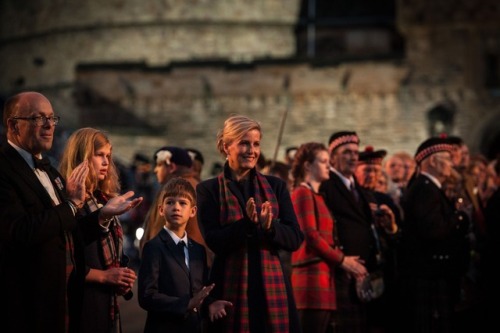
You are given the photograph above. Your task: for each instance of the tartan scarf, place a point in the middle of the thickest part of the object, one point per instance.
(236, 267)
(111, 247)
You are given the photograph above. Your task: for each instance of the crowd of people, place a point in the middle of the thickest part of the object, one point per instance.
(332, 239)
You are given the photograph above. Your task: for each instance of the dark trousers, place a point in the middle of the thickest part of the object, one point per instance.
(316, 321)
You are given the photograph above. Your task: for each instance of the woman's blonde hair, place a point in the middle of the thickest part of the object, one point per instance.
(81, 146)
(235, 127)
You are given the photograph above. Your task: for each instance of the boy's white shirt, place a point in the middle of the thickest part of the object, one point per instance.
(177, 239)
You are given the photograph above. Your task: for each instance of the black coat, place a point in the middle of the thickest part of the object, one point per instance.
(353, 219)
(33, 252)
(434, 258)
(433, 241)
(97, 297)
(166, 284)
(224, 240)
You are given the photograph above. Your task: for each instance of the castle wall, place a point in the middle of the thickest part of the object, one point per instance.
(187, 106)
(134, 69)
(43, 42)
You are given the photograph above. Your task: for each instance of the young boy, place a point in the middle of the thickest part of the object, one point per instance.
(172, 276)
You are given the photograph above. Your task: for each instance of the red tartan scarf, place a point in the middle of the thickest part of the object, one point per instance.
(111, 246)
(236, 268)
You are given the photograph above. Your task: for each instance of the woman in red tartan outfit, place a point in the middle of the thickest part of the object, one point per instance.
(105, 277)
(246, 218)
(314, 263)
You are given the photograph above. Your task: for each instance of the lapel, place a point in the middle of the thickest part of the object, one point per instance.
(172, 247)
(439, 192)
(57, 182)
(19, 166)
(361, 209)
(345, 192)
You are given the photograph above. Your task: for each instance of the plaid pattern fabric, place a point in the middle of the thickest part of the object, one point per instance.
(111, 246)
(351, 314)
(236, 273)
(313, 263)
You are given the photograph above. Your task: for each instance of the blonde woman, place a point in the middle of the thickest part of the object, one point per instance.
(247, 217)
(106, 276)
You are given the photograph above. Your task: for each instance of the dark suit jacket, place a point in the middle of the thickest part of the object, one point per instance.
(433, 242)
(33, 251)
(166, 284)
(489, 259)
(433, 259)
(352, 219)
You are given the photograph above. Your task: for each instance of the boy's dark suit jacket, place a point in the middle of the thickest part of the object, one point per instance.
(32, 250)
(166, 284)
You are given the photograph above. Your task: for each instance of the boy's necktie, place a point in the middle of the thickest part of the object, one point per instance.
(180, 246)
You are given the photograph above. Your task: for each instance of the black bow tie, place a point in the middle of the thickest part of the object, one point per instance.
(42, 164)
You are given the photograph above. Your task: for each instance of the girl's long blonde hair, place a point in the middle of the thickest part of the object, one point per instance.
(81, 146)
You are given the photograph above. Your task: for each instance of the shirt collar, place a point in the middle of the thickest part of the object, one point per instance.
(432, 178)
(176, 238)
(347, 181)
(27, 156)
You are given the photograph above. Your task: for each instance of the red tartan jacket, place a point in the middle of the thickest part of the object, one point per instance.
(314, 262)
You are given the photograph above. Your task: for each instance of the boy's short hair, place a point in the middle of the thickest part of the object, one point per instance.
(179, 187)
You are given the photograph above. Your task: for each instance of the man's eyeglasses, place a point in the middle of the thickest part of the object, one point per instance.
(41, 120)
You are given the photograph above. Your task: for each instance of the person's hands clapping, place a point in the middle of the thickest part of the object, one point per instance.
(251, 209)
(264, 218)
(119, 205)
(196, 301)
(266, 215)
(218, 309)
(75, 184)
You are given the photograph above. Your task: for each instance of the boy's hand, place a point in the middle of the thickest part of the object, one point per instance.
(197, 300)
(218, 309)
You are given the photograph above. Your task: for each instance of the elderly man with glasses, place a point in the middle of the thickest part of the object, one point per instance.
(41, 249)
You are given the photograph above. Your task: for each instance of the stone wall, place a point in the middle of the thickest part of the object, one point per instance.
(158, 72)
(447, 40)
(42, 42)
(187, 106)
